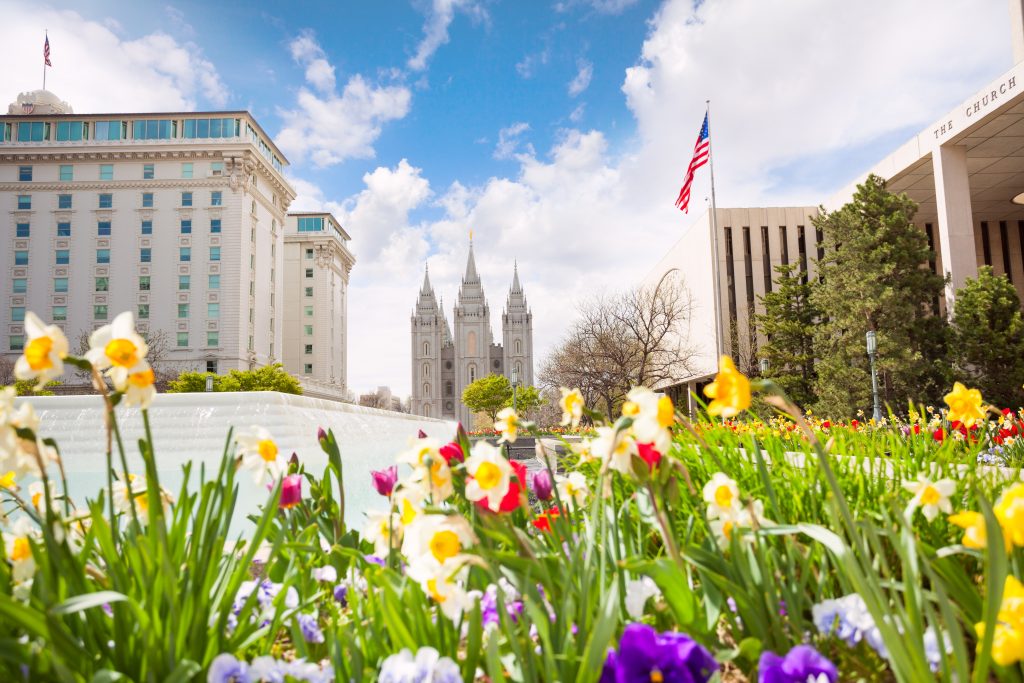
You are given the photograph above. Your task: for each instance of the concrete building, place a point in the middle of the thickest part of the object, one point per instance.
(317, 263)
(965, 171)
(443, 364)
(179, 217)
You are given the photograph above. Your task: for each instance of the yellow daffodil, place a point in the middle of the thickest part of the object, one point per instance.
(965, 405)
(409, 503)
(44, 354)
(508, 424)
(730, 392)
(1008, 638)
(18, 549)
(572, 407)
(436, 480)
(260, 454)
(722, 496)
(490, 475)
(140, 388)
(1009, 510)
(930, 497)
(118, 349)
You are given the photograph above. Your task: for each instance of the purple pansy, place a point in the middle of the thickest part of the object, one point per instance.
(645, 655)
(800, 664)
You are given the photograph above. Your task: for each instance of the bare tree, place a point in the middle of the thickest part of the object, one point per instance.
(639, 337)
(159, 356)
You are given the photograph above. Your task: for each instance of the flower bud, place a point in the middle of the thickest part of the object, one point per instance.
(291, 491)
(422, 434)
(452, 452)
(540, 481)
(321, 434)
(384, 480)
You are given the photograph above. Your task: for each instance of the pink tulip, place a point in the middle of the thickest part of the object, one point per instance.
(291, 491)
(384, 480)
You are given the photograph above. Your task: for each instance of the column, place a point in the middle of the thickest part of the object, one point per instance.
(1017, 29)
(956, 223)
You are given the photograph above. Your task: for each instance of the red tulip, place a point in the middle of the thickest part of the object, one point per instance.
(515, 497)
(452, 451)
(543, 521)
(649, 454)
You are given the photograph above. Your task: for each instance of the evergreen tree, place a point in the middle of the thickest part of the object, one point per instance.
(987, 339)
(788, 325)
(873, 277)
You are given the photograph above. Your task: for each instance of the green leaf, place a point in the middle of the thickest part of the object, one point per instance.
(88, 601)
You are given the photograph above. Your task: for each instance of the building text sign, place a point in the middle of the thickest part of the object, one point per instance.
(991, 98)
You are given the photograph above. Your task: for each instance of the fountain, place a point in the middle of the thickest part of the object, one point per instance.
(194, 427)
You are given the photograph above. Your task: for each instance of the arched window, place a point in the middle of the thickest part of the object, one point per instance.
(426, 370)
(472, 371)
(519, 370)
(426, 348)
(426, 410)
(426, 388)
(519, 347)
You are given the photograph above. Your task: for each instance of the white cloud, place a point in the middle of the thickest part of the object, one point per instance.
(435, 29)
(576, 115)
(529, 64)
(602, 6)
(97, 70)
(330, 127)
(509, 139)
(580, 82)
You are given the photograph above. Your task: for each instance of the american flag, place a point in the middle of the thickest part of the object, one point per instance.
(700, 157)
(46, 51)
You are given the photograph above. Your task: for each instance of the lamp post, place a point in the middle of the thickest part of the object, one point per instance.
(872, 343)
(515, 383)
(764, 367)
(209, 382)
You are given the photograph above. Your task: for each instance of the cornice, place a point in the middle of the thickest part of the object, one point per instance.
(140, 184)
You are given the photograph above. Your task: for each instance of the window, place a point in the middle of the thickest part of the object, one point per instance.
(147, 172)
(309, 291)
(215, 253)
(472, 373)
(184, 282)
(67, 172)
(309, 348)
(103, 228)
(426, 370)
(184, 253)
(17, 342)
(308, 368)
(71, 131)
(308, 329)
(21, 230)
(145, 254)
(109, 130)
(102, 256)
(252, 288)
(309, 272)
(213, 310)
(216, 168)
(309, 253)
(20, 285)
(311, 224)
(60, 284)
(186, 199)
(186, 226)
(144, 283)
(211, 366)
(37, 131)
(106, 171)
(21, 258)
(519, 347)
(102, 284)
(213, 282)
(59, 313)
(147, 227)
(183, 339)
(147, 200)
(215, 225)
(63, 201)
(252, 343)
(17, 314)
(182, 310)
(24, 173)
(99, 312)
(24, 202)
(216, 198)
(154, 129)
(143, 311)
(213, 338)
(64, 229)
(209, 128)
(106, 201)
(63, 257)
(309, 310)
(186, 169)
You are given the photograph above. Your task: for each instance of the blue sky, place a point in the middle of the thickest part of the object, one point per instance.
(556, 130)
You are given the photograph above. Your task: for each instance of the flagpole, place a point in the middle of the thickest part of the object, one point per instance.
(714, 241)
(47, 37)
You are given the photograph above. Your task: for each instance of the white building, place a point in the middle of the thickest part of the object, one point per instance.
(443, 364)
(178, 217)
(317, 263)
(966, 173)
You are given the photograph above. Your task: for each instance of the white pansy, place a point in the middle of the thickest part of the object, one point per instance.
(638, 592)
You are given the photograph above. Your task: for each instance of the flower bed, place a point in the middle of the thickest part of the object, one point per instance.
(657, 549)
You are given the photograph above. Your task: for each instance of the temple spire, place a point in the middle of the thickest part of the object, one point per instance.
(426, 279)
(471, 275)
(516, 287)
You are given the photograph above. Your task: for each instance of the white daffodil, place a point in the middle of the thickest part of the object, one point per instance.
(421, 452)
(490, 475)
(508, 424)
(616, 447)
(574, 489)
(730, 520)
(638, 592)
(140, 387)
(260, 454)
(584, 450)
(23, 455)
(435, 480)
(380, 529)
(44, 354)
(443, 583)
(722, 495)
(135, 492)
(409, 502)
(653, 414)
(118, 349)
(18, 549)
(37, 494)
(930, 496)
(437, 538)
(572, 407)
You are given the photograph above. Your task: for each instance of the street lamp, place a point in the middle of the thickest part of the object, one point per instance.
(209, 382)
(872, 343)
(764, 367)
(515, 383)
